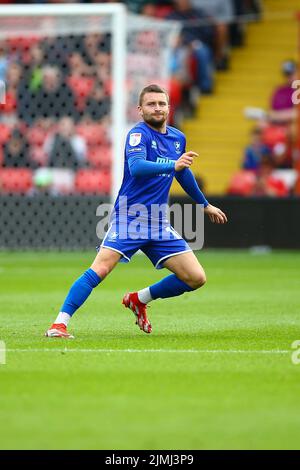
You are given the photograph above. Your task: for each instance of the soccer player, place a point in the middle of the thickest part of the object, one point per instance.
(154, 154)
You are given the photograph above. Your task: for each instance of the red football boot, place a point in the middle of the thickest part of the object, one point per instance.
(131, 300)
(58, 330)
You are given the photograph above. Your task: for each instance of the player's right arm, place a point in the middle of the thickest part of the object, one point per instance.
(139, 166)
(136, 154)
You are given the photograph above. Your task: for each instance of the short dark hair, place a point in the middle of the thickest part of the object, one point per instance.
(152, 89)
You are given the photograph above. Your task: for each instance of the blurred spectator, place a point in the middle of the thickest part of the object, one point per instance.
(30, 83)
(80, 79)
(221, 10)
(282, 108)
(77, 65)
(16, 154)
(197, 36)
(222, 13)
(136, 6)
(279, 126)
(65, 149)
(98, 104)
(34, 72)
(251, 7)
(3, 60)
(279, 123)
(92, 44)
(9, 108)
(54, 99)
(267, 184)
(103, 70)
(57, 51)
(241, 9)
(256, 151)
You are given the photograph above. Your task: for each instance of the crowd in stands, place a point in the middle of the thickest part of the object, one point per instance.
(269, 163)
(56, 113)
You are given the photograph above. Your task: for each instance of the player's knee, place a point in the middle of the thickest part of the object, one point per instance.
(102, 270)
(197, 280)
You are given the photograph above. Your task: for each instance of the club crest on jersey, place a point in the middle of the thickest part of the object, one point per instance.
(177, 146)
(135, 138)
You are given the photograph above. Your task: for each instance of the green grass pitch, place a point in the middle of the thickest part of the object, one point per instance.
(216, 373)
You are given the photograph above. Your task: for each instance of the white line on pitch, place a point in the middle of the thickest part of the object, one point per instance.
(168, 351)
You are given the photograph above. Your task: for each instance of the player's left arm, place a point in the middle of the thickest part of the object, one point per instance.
(215, 214)
(187, 181)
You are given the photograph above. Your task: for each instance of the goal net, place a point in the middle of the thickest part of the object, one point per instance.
(70, 76)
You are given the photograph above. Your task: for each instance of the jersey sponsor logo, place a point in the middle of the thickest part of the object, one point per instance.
(135, 138)
(163, 160)
(154, 145)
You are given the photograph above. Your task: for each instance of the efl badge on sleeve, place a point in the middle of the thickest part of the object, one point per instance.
(135, 139)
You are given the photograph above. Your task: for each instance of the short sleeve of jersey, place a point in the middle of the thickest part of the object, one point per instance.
(136, 143)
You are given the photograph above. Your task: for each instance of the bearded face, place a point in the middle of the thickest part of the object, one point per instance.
(154, 109)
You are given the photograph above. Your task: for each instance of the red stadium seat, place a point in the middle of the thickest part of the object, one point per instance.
(5, 132)
(15, 180)
(36, 136)
(22, 43)
(242, 183)
(274, 134)
(94, 134)
(81, 87)
(162, 11)
(10, 104)
(93, 182)
(100, 156)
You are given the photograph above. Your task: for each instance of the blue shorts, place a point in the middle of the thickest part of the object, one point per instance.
(157, 248)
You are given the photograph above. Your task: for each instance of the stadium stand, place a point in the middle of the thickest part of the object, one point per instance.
(219, 130)
(56, 114)
(52, 79)
(57, 108)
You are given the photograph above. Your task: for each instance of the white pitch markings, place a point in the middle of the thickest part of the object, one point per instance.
(168, 351)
